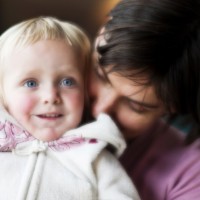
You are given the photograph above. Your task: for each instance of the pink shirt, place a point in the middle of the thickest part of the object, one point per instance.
(162, 166)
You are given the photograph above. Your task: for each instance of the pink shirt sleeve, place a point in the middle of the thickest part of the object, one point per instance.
(162, 166)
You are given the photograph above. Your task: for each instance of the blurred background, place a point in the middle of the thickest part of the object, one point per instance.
(89, 14)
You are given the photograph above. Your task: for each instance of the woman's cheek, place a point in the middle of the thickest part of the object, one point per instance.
(135, 124)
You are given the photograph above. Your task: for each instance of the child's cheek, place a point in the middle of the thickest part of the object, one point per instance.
(27, 104)
(76, 102)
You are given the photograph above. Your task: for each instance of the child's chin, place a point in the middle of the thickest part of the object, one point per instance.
(47, 135)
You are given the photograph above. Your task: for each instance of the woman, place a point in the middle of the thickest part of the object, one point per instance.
(147, 70)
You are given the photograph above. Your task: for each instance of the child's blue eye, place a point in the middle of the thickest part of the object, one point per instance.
(67, 82)
(30, 83)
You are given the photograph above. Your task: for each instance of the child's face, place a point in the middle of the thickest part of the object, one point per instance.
(44, 88)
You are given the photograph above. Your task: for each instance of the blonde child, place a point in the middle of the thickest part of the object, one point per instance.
(43, 66)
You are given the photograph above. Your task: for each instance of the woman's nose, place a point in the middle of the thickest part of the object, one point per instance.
(104, 101)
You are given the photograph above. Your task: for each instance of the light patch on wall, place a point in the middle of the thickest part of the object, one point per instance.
(108, 5)
(102, 9)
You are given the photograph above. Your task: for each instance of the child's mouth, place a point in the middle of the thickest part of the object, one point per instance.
(50, 116)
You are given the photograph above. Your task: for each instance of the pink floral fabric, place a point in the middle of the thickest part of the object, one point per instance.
(11, 136)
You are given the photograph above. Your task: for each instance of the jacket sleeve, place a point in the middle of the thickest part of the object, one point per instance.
(112, 181)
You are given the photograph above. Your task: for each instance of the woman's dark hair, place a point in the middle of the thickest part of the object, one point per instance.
(161, 40)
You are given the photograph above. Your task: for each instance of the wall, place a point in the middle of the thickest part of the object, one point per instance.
(89, 14)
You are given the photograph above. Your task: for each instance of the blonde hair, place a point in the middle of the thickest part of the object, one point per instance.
(44, 28)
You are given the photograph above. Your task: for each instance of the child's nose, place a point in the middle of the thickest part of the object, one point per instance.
(51, 96)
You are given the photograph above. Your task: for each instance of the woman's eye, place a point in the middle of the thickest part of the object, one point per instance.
(137, 108)
(67, 82)
(30, 83)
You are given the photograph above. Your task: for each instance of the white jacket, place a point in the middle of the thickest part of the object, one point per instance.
(76, 167)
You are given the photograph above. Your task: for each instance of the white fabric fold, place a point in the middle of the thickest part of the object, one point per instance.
(76, 166)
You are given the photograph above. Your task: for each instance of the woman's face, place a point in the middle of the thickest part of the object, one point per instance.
(135, 108)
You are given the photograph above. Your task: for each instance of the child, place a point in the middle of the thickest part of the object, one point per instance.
(43, 63)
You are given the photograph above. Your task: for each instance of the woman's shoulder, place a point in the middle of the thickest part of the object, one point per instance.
(162, 165)
(161, 139)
